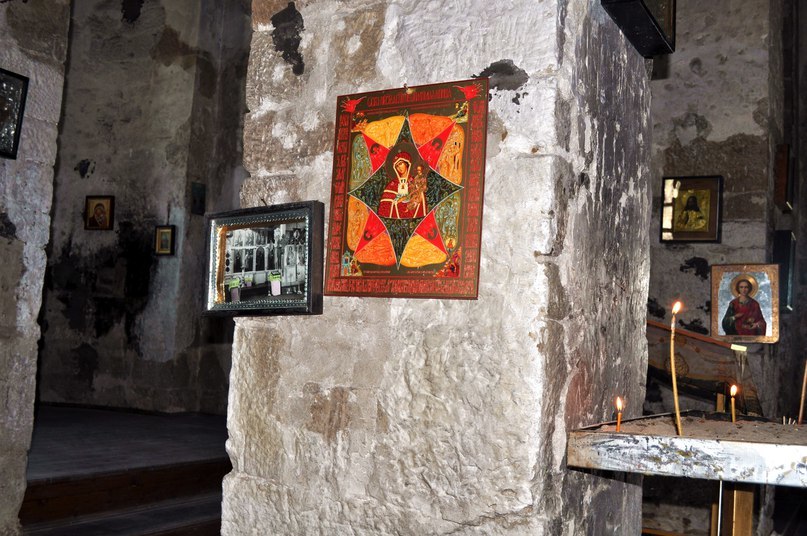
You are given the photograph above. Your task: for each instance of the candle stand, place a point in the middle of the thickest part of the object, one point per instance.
(752, 450)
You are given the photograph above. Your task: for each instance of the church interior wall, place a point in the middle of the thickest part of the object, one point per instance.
(153, 105)
(384, 415)
(718, 109)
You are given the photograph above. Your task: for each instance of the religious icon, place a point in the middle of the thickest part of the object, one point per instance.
(691, 209)
(407, 192)
(691, 214)
(13, 92)
(99, 212)
(164, 239)
(745, 302)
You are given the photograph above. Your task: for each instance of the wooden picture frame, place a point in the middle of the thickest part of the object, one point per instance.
(265, 261)
(99, 212)
(13, 93)
(740, 315)
(407, 192)
(164, 237)
(691, 208)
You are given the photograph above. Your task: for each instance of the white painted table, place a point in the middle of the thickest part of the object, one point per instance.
(749, 451)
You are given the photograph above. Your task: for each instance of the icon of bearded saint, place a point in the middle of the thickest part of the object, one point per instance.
(404, 196)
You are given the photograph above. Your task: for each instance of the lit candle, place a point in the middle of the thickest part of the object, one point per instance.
(618, 413)
(675, 309)
(733, 392)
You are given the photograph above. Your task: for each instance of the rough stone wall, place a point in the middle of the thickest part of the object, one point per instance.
(711, 113)
(215, 160)
(151, 95)
(33, 42)
(717, 110)
(397, 416)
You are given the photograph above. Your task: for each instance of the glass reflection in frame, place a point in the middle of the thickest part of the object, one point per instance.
(255, 256)
(266, 260)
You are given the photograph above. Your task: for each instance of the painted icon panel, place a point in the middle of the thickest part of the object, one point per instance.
(407, 188)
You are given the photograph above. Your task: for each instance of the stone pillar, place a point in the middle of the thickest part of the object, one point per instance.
(33, 43)
(399, 416)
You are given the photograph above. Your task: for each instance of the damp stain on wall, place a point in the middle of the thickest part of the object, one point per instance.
(85, 168)
(288, 24)
(655, 309)
(170, 49)
(695, 326)
(330, 410)
(517, 97)
(33, 24)
(111, 286)
(584, 180)
(7, 227)
(505, 75)
(130, 9)
(697, 265)
(85, 361)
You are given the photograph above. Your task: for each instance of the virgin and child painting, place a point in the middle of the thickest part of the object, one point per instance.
(745, 302)
(406, 197)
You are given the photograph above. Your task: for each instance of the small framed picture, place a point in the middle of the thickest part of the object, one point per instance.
(164, 239)
(13, 90)
(266, 261)
(691, 209)
(745, 302)
(99, 212)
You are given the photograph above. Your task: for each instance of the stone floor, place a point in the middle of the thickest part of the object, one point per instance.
(69, 440)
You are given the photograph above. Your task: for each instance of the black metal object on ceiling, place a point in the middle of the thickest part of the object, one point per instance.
(649, 25)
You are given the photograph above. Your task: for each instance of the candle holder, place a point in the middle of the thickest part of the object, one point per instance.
(713, 448)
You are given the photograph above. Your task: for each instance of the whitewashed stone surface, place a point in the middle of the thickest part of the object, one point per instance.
(398, 416)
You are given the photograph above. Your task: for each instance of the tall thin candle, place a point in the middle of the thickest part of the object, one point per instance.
(618, 413)
(733, 393)
(803, 393)
(678, 427)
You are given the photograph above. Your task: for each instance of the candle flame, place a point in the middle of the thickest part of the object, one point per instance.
(676, 307)
(618, 404)
(733, 390)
